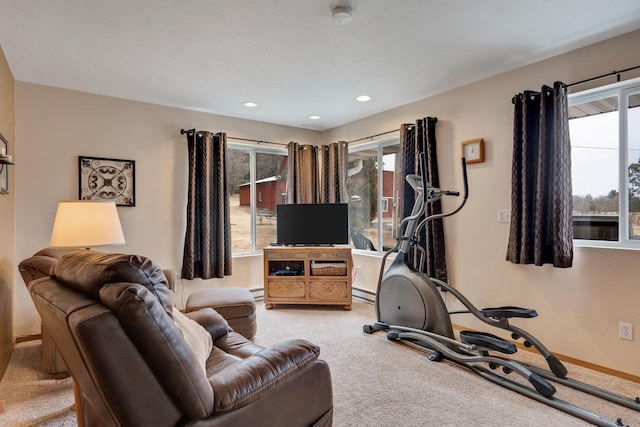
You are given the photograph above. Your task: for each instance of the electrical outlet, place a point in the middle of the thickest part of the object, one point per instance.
(625, 331)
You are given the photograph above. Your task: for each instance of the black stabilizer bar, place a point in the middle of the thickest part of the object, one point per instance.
(554, 402)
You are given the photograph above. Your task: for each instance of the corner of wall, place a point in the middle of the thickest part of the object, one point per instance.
(7, 213)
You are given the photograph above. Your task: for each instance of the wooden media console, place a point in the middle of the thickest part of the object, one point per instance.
(307, 275)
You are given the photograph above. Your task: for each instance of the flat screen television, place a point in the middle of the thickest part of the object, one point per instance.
(313, 224)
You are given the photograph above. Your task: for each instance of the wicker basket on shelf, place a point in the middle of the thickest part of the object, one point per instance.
(328, 269)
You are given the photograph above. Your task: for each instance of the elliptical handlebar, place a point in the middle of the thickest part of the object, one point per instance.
(435, 194)
(440, 193)
(464, 178)
(429, 195)
(423, 176)
(420, 184)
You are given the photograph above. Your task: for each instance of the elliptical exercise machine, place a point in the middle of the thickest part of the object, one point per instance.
(410, 308)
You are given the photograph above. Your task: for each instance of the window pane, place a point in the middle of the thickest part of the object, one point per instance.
(593, 127)
(633, 135)
(389, 217)
(362, 187)
(238, 180)
(270, 191)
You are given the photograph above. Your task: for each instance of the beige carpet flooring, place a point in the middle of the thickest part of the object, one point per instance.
(29, 396)
(376, 382)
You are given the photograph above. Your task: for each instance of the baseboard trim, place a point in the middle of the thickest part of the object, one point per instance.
(572, 360)
(258, 293)
(25, 338)
(363, 295)
(593, 366)
(4, 366)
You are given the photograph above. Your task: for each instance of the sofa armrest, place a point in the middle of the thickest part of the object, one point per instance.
(211, 321)
(251, 378)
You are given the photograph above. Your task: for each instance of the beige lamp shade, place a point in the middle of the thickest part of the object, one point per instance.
(85, 224)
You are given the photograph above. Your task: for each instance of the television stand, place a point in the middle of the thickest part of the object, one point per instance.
(319, 275)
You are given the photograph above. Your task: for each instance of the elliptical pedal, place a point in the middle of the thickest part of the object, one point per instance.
(488, 341)
(507, 312)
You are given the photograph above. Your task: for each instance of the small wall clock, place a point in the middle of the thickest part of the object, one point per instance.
(473, 150)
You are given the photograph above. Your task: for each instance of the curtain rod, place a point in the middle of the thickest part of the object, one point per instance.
(373, 136)
(613, 73)
(376, 135)
(182, 132)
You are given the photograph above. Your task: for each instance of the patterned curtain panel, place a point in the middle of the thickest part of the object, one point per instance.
(207, 243)
(302, 179)
(541, 198)
(416, 139)
(333, 173)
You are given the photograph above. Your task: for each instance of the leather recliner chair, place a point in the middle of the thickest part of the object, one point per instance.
(112, 319)
(39, 265)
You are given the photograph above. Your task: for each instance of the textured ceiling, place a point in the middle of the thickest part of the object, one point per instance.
(288, 55)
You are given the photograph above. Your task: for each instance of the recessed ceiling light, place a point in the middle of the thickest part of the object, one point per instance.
(250, 104)
(314, 117)
(363, 98)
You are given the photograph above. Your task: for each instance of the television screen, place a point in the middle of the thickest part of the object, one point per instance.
(313, 224)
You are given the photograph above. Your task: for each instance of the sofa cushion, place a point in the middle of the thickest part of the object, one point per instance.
(87, 271)
(197, 338)
(160, 343)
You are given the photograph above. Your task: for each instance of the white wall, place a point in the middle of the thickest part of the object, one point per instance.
(55, 126)
(579, 308)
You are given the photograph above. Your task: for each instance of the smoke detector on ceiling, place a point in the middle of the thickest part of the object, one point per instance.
(341, 14)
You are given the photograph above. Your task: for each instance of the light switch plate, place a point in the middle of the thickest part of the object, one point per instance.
(504, 215)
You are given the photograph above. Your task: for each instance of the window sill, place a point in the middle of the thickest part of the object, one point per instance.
(373, 254)
(600, 244)
(247, 254)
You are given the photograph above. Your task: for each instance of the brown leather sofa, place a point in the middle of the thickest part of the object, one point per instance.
(112, 319)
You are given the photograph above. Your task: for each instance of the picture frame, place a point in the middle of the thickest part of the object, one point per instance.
(107, 179)
(4, 170)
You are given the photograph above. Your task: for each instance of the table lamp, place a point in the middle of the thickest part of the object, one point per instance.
(85, 224)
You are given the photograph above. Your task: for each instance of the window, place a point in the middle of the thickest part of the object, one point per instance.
(262, 172)
(604, 125)
(385, 204)
(372, 207)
